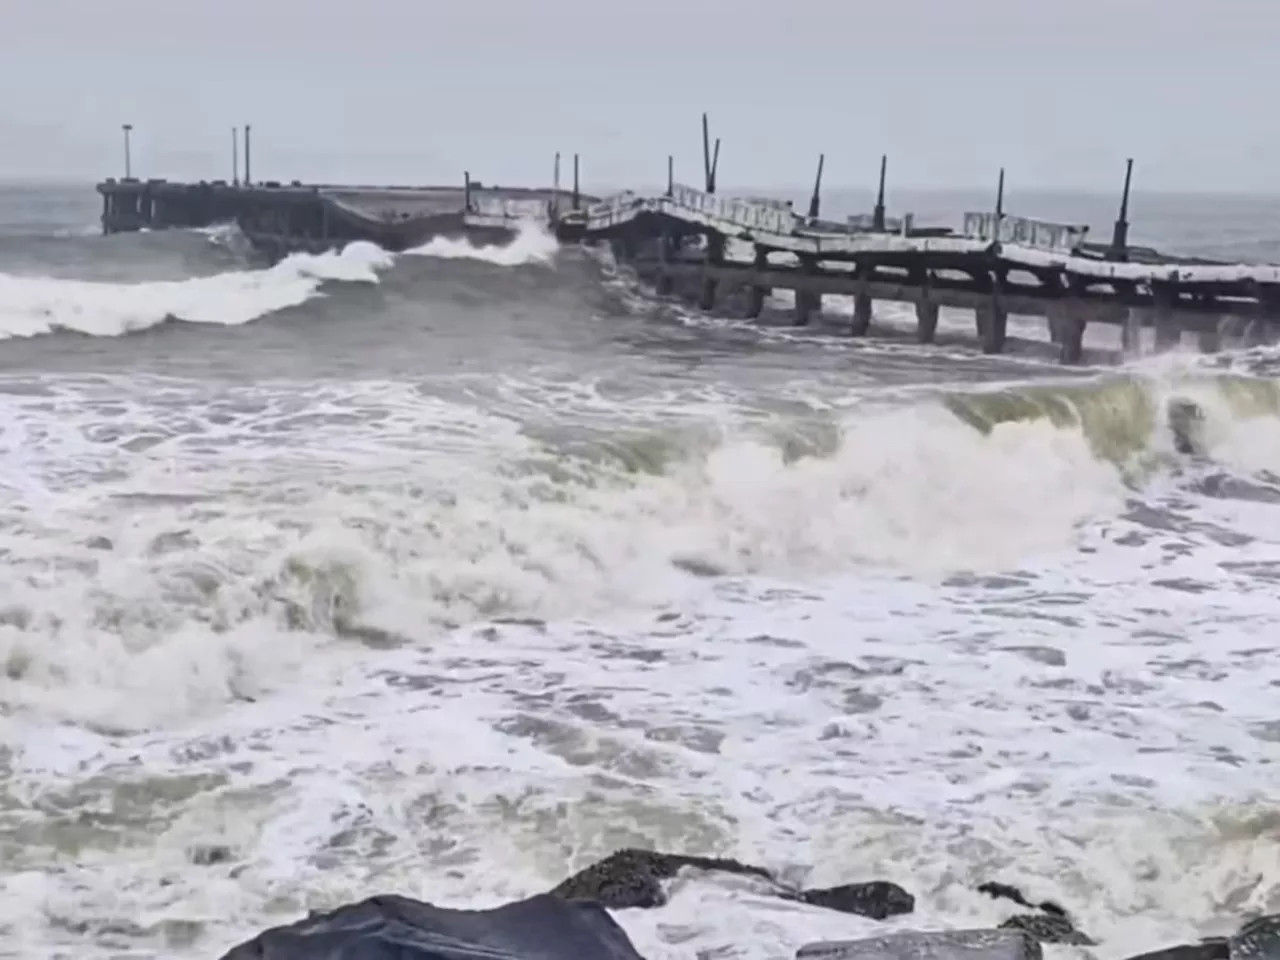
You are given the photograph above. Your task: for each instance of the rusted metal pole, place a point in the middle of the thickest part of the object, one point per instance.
(127, 128)
(877, 215)
(815, 199)
(706, 155)
(1120, 234)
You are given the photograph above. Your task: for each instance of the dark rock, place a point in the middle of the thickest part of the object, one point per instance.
(400, 928)
(877, 899)
(1258, 939)
(1215, 949)
(1049, 928)
(1005, 891)
(634, 878)
(1052, 925)
(915, 945)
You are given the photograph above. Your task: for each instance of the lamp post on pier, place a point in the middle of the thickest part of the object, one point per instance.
(128, 159)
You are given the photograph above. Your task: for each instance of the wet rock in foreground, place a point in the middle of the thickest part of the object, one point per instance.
(634, 878)
(1259, 939)
(400, 928)
(938, 945)
(1051, 925)
(1215, 949)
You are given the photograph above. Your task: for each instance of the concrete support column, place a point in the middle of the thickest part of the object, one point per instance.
(861, 315)
(926, 321)
(807, 302)
(710, 284)
(756, 294)
(1131, 332)
(993, 326)
(663, 283)
(1209, 341)
(1168, 333)
(1068, 323)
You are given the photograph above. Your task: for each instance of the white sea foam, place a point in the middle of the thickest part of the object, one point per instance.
(30, 306)
(264, 624)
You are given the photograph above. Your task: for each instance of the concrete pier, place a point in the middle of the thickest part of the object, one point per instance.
(690, 240)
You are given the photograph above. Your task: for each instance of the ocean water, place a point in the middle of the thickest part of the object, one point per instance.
(447, 573)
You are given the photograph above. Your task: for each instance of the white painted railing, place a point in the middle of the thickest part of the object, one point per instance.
(1024, 232)
(866, 223)
(768, 216)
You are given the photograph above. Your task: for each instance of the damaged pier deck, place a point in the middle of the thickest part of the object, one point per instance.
(994, 264)
(737, 250)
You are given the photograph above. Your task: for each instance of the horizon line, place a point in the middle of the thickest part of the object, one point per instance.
(19, 180)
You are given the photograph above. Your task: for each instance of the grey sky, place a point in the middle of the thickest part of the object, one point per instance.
(414, 91)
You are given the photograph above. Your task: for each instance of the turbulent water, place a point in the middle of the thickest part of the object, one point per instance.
(447, 573)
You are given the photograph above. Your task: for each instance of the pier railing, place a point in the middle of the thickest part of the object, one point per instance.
(1024, 232)
(762, 216)
(749, 214)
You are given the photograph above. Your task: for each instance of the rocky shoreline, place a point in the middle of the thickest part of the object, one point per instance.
(572, 922)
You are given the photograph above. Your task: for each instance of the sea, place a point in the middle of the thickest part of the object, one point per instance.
(449, 572)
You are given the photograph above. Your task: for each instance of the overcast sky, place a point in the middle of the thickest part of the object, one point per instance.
(415, 91)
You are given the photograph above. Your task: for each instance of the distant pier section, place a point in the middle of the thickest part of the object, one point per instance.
(727, 254)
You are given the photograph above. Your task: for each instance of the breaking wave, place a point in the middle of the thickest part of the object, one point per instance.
(532, 244)
(316, 536)
(34, 305)
(31, 306)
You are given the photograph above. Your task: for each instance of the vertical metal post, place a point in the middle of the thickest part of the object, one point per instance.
(877, 215)
(706, 156)
(1120, 235)
(671, 175)
(128, 157)
(555, 188)
(248, 176)
(577, 193)
(815, 199)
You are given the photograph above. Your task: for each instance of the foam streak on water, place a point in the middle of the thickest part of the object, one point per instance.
(457, 636)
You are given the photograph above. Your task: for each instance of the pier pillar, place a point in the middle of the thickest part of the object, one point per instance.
(992, 317)
(623, 249)
(1066, 320)
(664, 284)
(807, 302)
(715, 257)
(993, 326)
(861, 305)
(1131, 332)
(861, 315)
(1168, 333)
(1210, 341)
(756, 293)
(1255, 333)
(926, 321)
